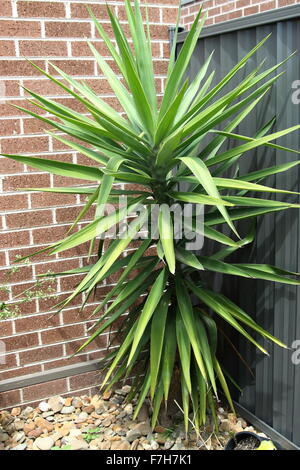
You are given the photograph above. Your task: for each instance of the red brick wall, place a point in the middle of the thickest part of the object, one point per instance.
(225, 10)
(40, 30)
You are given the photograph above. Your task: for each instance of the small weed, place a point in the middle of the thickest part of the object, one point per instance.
(91, 434)
(66, 447)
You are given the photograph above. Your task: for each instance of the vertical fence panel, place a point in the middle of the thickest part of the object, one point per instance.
(271, 392)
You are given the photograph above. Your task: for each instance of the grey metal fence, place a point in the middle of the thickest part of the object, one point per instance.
(272, 393)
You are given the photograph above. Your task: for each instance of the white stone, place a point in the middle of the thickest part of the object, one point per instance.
(44, 443)
(67, 410)
(44, 406)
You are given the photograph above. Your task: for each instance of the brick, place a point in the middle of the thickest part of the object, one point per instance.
(8, 166)
(60, 335)
(16, 28)
(284, 3)
(37, 322)
(10, 398)
(86, 380)
(51, 234)
(51, 199)
(76, 67)
(267, 6)
(25, 145)
(6, 8)
(73, 104)
(2, 258)
(82, 49)
(25, 181)
(4, 297)
(63, 157)
(69, 214)
(57, 266)
(41, 354)
(159, 32)
(64, 29)
(23, 273)
(44, 87)
(188, 19)
(35, 126)
(10, 127)
(10, 239)
(109, 31)
(13, 202)
(43, 48)
(75, 315)
(18, 68)
(10, 87)
(18, 289)
(39, 391)
(28, 307)
(10, 362)
(160, 67)
(242, 3)
(214, 11)
(161, 2)
(235, 14)
(100, 86)
(98, 343)
(153, 14)
(46, 305)
(41, 9)
(29, 219)
(251, 10)
(21, 342)
(7, 48)
(20, 252)
(65, 181)
(80, 11)
(5, 328)
(221, 18)
(7, 108)
(70, 283)
(10, 374)
(228, 7)
(96, 355)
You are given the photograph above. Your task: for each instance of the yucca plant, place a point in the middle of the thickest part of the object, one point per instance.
(157, 148)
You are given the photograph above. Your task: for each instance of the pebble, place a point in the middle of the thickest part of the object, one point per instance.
(27, 412)
(44, 406)
(106, 422)
(67, 410)
(28, 427)
(120, 445)
(128, 409)
(19, 436)
(75, 432)
(19, 425)
(19, 447)
(35, 433)
(3, 436)
(56, 403)
(141, 429)
(77, 444)
(16, 411)
(44, 443)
